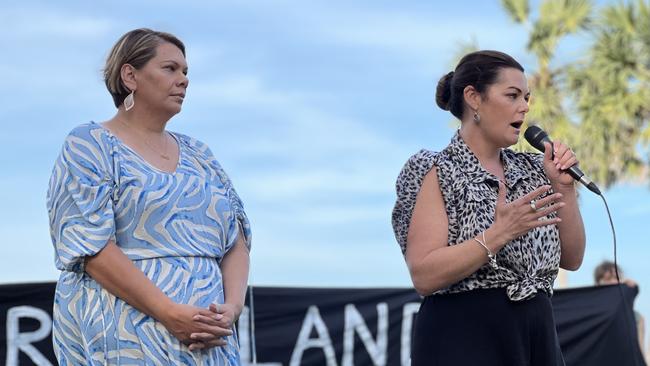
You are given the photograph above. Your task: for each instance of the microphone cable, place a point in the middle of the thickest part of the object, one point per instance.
(628, 326)
(536, 138)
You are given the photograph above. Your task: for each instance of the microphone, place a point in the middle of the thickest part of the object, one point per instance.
(536, 137)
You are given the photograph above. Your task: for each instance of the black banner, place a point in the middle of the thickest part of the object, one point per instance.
(311, 326)
(26, 324)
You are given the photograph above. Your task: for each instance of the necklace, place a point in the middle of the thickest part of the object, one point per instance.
(163, 155)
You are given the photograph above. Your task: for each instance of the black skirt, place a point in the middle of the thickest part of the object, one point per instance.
(484, 327)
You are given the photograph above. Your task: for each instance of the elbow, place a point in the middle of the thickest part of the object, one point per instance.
(426, 273)
(571, 256)
(424, 285)
(422, 289)
(571, 265)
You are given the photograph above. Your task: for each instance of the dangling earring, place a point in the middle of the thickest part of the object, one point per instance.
(129, 102)
(477, 117)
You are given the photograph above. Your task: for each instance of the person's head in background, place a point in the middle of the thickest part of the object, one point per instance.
(605, 273)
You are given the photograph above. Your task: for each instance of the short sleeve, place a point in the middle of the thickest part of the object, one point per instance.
(239, 223)
(79, 199)
(407, 188)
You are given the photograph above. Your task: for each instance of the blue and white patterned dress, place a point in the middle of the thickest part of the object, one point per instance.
(175, 227)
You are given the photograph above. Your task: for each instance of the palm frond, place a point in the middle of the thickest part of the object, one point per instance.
(517, 9)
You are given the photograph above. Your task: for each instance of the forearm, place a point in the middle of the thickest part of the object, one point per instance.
(445, 266)
(571, 228)
(114, 271)
(234, 269)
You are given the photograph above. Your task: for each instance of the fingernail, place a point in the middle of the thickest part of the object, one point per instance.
(563, 167)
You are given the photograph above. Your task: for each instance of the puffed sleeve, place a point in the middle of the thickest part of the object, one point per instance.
(240, 225)
(239, 222)
(79, 200)
(407, 188)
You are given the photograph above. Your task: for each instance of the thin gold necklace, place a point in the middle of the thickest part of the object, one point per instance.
(162, 155)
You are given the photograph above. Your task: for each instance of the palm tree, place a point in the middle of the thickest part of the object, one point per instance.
(598, 104)
(556, 20)
(611, 88)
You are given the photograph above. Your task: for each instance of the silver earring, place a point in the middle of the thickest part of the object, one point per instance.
(477, 117)
(129, 101)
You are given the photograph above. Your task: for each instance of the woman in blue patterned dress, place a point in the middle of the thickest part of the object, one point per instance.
(151, 238)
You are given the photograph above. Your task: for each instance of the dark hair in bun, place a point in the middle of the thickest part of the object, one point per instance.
(443, 91)
(478, 69)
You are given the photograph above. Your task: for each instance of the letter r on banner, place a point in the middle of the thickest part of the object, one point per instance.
(23, 341)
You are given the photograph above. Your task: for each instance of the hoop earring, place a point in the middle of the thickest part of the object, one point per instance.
(129, 101)
(477, 117)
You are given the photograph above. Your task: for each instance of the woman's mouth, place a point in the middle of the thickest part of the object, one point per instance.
(517, 124)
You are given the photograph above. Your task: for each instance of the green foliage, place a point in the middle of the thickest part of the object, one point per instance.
(517, 9)
(599, 104)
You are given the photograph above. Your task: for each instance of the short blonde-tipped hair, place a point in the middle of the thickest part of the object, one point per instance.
(135, 48)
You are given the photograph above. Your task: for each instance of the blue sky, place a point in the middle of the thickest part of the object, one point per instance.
(311, 107)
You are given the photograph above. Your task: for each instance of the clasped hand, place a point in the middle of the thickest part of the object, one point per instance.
(201, 328)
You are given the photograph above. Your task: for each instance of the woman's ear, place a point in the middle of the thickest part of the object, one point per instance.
(472, 97)
(127, 73)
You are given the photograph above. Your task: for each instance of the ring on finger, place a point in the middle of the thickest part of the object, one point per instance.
(533, 205)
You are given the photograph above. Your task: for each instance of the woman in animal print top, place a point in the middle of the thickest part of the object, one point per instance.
(484, 229)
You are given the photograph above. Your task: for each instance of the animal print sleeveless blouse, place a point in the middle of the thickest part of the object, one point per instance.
(528, 263)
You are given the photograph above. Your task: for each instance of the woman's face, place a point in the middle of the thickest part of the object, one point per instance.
(608, 278)
(504, 107)
(162, 82)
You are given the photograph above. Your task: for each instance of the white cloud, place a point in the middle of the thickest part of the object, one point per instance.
(397, 32)
(310, 150)
(39, 23)
(303, 124)
(327, 262)
(423, 38)
(243, 90)
(284, 183)
(327, 215)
